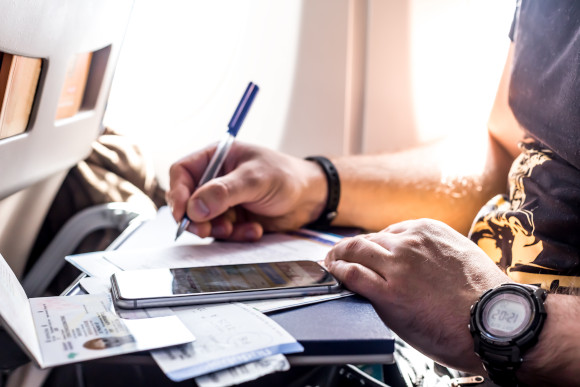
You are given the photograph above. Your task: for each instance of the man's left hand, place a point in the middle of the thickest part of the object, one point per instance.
(422, 278)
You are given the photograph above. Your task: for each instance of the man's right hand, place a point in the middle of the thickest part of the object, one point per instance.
(260, 190)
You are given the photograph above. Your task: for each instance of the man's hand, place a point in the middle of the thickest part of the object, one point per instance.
(260, 190)
(422, 277)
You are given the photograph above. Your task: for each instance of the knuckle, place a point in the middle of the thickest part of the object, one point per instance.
(256, 179)
(219, 190)
(431, 225)
(174, 169)
(415, 241)
(351, 274)
(353, 244)
(419, 225)
(253, 176)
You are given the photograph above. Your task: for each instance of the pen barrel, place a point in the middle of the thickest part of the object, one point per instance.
(242, 109)
(217, 160)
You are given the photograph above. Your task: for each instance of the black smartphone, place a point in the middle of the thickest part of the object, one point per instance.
(211, 284)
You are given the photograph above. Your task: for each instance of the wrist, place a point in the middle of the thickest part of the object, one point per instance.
(554, 358)
(313, 197)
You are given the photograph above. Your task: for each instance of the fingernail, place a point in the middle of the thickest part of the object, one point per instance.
(200, 208)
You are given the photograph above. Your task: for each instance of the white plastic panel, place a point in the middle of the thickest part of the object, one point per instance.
(55, 31)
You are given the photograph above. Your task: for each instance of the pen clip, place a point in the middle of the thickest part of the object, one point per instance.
(242, 109)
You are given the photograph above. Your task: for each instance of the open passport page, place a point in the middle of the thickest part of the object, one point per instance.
(61, 330)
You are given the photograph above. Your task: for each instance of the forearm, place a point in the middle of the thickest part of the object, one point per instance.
(554, 360)
(447, 181)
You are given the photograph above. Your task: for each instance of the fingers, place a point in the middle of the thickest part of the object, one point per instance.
(228, 227)
(235, 232)
(212, 199)
(368, 265)
(177, 200)
(358, 278)
(182, 180)
(247, 232)
(267, 186)
(363, 250)
(202, 229)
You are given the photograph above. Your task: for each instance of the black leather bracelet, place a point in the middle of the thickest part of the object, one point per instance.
(329, 212)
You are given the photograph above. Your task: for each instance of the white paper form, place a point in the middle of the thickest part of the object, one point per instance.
(271, 248)
(227, 335)
(62, 330)
(152, 246)
(299, 245)
(160, 232)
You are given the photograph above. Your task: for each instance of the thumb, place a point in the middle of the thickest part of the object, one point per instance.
(218, 195)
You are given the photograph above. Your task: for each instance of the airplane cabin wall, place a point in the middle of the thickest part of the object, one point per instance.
(336, 76)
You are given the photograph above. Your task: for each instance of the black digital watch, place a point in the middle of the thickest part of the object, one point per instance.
(505, 322)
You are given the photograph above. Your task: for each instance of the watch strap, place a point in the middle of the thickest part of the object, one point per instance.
(509, 359)
(329, 212)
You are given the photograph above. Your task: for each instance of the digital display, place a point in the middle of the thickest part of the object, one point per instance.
(248, 277)
(506, 316)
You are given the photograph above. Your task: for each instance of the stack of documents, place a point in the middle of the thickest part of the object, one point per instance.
(227, 335)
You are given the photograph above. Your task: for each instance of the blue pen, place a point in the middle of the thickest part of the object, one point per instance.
(224, 145)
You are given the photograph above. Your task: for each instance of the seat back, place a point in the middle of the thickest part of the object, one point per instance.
(57, 60)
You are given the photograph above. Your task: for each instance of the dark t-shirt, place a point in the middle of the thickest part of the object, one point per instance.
(534, 232)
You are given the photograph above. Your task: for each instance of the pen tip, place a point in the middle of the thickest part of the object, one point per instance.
(181, 228)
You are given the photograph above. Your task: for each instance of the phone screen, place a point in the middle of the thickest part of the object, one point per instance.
(248, 277)
(225, 279)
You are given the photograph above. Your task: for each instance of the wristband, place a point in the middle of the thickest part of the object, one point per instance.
(329, 212)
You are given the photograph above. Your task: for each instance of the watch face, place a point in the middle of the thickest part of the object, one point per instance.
(506, 315)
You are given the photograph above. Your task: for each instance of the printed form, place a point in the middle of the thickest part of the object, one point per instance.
(227, 335)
